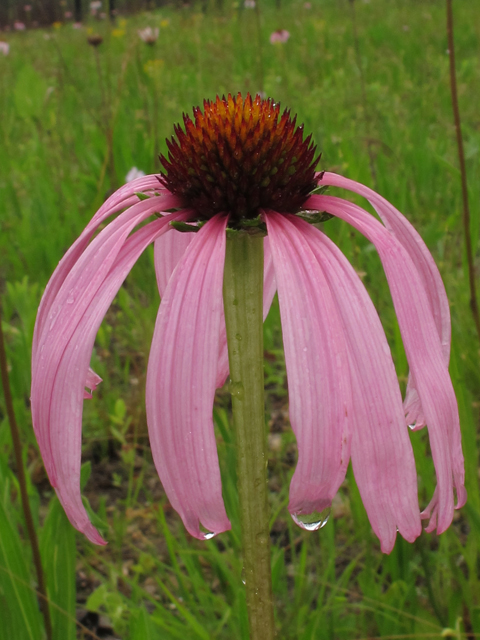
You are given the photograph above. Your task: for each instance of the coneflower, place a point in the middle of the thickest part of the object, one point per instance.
(241, 165)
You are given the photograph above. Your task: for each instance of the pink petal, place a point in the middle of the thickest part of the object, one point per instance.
(170, 247)
(269, 283)
(269, 289)
(73, 298)
(423, 349)
(121, 199)
(63, 384)
(427, 270)
(92, 381)
(317, 367)
(181, 379)
(382, 455)
(168, 250)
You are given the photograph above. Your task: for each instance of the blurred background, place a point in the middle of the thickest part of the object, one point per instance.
(89, 91)
(46, 12)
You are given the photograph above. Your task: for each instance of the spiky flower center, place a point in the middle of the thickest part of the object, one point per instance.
(239, 157)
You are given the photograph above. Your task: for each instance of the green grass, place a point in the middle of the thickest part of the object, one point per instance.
(153, 581)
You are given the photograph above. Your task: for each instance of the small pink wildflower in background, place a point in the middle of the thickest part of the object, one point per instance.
(307, 5)
(68, 15)
(77, 25)
(241, 164)
(95, 5)
(27, 8)
(4, 48)
(19, 26)
(279, 36)
(149, 35)
(249, 4)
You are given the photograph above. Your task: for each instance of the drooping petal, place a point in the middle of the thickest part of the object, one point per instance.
(181, 377)
(269, 288)
(168, 250)
(423, 349)
(381, 451)
(71, 301)
(269, 283)
(317, 367)
(64, 383)
(427, 270)
(170, 247)
(121, 199)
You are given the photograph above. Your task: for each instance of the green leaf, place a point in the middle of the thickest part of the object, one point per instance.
(97, 598)
(58, 554)
(20, 614)
(85, 472)
(142, 627)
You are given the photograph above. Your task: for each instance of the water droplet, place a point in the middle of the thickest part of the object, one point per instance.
(243, 576)
(412, 426)
(312, 521)
(238, 336)
(208, 535)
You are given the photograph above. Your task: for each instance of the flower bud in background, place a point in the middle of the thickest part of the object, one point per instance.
(95, 40)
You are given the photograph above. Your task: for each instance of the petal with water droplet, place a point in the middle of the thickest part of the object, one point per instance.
(181, 377)
(427, 270)
(424, 351)
(317, 366)
(382, 456)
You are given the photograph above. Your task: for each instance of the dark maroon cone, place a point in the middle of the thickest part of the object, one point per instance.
(240, 156)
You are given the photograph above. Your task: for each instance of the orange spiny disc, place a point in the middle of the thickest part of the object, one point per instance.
(240, 156)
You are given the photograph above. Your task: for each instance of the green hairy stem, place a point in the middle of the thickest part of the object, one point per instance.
(243, 300)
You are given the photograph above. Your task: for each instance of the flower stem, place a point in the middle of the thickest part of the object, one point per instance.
(243, 301)
(463, 171)
(22, 481)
